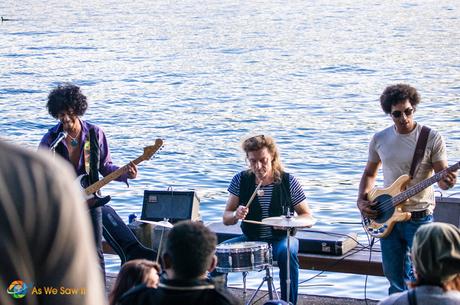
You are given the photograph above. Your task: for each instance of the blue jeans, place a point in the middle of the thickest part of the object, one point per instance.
(279, 248)
(397, 265)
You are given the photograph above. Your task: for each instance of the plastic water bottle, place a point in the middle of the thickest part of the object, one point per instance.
(132, 217)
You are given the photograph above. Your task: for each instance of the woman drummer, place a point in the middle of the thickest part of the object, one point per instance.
(263, 191)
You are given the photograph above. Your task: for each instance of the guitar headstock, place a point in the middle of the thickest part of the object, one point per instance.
(149, 151)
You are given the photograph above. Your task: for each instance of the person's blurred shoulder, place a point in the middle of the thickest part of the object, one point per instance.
(399, 298)
(142, 295)
(12, 154)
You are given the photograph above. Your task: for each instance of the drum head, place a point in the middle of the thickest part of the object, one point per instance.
(245, 245)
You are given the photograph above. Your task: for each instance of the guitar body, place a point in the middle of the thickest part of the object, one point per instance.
(93, 200)
(390, 202)
(388, 214)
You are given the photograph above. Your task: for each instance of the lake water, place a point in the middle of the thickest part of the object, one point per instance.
(204, 75)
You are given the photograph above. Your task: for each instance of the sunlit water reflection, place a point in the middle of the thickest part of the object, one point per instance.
(202, 76)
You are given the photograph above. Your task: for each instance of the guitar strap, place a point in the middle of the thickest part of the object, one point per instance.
(87, 154)
(94, 156)
(419, 150)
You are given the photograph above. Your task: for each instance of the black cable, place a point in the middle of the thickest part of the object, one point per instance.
(352, 252)
(371, 241)
(332, 264)
(367, 276)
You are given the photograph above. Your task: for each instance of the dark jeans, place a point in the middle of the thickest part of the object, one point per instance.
(121, 238)
(397, 265)
(96, 220)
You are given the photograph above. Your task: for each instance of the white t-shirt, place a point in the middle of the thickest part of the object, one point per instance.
(396, 152)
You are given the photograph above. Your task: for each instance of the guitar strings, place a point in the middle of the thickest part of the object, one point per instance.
(388, 204)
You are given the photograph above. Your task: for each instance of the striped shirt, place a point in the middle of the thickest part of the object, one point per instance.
(265, 194)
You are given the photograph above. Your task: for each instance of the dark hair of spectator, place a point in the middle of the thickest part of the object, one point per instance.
(132, 273)
(65, 97)
(395, 94)
(190, 246)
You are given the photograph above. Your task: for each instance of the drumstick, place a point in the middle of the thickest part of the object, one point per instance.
(254, 194)
(254, 222)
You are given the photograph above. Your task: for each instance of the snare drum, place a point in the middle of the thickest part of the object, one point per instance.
(243, 256)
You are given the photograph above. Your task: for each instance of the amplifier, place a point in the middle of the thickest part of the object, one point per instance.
(173, 205)
(326, 243)
(447, 210)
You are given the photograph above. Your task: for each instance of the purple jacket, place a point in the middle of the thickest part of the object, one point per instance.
(105, 166)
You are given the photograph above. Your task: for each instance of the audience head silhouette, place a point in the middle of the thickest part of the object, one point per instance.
(132, 273)
(436, 253)
(189, 251)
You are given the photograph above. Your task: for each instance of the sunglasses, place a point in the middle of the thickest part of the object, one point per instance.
(397, 114)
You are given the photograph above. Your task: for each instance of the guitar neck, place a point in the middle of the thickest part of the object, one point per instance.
(417, 188)
(93, 188)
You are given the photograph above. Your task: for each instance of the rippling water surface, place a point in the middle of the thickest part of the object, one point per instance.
(204, 75)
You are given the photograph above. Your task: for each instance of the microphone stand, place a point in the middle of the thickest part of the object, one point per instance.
(161, 240)
(61, 136)
(53, 150)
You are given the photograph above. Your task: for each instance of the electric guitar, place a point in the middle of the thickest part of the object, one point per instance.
(90, 192)
(389, 202)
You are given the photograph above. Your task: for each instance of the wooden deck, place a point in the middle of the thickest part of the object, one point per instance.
(359, 260)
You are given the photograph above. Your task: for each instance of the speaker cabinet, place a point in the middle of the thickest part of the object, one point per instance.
(173, 205)
(447, 210)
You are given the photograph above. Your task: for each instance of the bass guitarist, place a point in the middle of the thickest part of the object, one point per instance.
(394, 148)
(83, 144)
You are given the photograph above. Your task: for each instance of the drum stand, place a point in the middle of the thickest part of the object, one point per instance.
(161, 241)
(289, 223)
(288, 269)
(268, 278)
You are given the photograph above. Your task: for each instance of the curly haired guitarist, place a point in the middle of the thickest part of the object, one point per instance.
(67, 104)
(394, 148)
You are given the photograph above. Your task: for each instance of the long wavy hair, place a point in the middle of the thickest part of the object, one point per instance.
(259, 142)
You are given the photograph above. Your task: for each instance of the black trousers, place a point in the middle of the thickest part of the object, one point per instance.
(120, 237)
(96, 220)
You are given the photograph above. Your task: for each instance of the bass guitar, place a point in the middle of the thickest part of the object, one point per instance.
(90, 192)
(389, 202)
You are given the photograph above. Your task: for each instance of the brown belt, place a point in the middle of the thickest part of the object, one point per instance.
(419, 214)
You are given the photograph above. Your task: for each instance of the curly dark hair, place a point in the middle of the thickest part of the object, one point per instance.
(191, 247)
(64, 97)
(395, 94)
